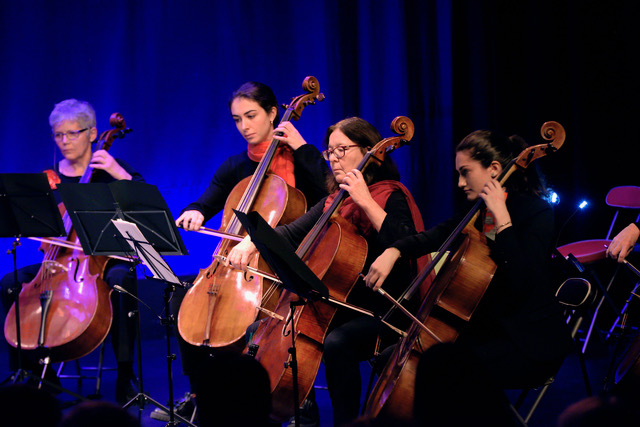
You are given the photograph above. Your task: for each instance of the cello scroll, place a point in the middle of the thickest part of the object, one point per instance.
(120, 129)
(312, 87)
(550, 131)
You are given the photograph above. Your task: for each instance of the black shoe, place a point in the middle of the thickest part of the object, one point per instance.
(186, 408)
(309, 415)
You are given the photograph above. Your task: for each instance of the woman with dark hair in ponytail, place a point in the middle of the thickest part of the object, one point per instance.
(254, 109)
(517, 332)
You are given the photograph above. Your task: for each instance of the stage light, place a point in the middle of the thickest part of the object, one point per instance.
(580, 207)
(554, 198)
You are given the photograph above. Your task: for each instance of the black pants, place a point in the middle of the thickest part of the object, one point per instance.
(345, 347)
(192, 357)
(123, 326)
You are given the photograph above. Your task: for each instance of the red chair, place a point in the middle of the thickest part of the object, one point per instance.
(588, 251)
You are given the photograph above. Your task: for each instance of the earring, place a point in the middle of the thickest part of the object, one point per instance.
(271, 122)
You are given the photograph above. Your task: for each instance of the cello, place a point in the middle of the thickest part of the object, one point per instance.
(223, 301)
(452, 299)
(336, 253)
(66, 308)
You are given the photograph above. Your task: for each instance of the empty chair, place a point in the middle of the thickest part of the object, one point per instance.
(588, 251)
(575, 295)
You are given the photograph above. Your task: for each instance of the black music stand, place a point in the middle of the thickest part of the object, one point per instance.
(148, 256)
(294, 274)
(93, 206)
(281, 257)
(149, 232)
(28, 208)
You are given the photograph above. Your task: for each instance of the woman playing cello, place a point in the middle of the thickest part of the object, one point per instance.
(254, 109)
(517, 331)
(73, 127)
(382, 210)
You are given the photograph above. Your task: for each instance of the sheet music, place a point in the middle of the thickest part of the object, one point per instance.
(145, 251)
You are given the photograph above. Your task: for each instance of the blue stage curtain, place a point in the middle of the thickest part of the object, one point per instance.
(452, 67)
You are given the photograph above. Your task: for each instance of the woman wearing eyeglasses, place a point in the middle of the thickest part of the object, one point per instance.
(73, 126)
(382, 210)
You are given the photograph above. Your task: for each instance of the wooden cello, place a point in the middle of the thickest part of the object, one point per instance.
(223, 301)
(336, 253)
(452, 299)
(66, 308)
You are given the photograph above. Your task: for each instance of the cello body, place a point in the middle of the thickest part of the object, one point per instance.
(447, 307)
(224, 301)
(79, 315)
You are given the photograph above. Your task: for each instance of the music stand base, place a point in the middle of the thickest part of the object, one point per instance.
(142, 398)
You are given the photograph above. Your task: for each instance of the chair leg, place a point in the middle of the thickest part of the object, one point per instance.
(79, 376)
(521, 397)
(537, 401)
(99, 373)
(585, 374)
(605, 296)
(517, 416)
(623, 313)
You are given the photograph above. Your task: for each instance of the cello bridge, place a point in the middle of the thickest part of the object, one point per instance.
(53, 265)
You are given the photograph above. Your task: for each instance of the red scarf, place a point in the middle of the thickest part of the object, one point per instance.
(380, 191)
(282, 163)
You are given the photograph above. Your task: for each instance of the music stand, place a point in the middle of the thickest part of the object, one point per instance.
(93, 206)
(161, 271)
(142, 213)
(281, 257)
(294, 274)
(28, 208)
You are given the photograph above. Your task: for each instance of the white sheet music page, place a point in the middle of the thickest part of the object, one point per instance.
(145, 251)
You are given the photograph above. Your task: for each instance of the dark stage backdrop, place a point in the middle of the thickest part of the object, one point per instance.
(452, 67)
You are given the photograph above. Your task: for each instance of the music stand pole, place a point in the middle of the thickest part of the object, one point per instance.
(293, 364)
(17, 288)
(153, 260)
(294, 274)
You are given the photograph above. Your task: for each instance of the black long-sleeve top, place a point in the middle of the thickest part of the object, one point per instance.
(397, 224)
(519, 302)
(310, 172)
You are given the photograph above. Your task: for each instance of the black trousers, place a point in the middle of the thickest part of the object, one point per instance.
(345, 346)
(192, 357)
(123, 326)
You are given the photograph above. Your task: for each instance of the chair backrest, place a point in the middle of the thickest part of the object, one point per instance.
(623, 197)
(574, 292)
(626, 196)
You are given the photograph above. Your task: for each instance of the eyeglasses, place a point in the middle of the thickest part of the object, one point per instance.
(71, 135)
(339, 152)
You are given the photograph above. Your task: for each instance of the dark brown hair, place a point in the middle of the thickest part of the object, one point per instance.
(366, 136)
(486, 146)
(260, 93)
